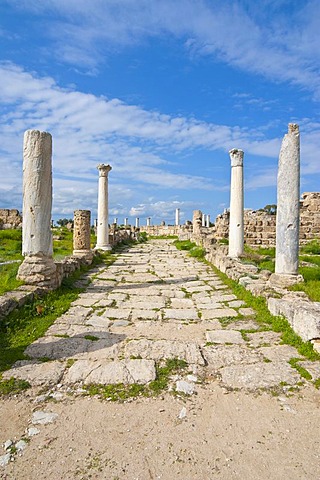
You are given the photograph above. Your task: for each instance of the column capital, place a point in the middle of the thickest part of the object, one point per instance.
(236, 157)
(103, 169)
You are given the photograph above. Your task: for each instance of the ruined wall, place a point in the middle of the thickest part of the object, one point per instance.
(182, 231)
(10, 218)
(260, 227)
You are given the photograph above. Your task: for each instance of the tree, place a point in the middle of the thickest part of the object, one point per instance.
(62, 222)
(270, 209)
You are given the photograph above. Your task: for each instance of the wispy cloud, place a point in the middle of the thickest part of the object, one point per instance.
(276, 39)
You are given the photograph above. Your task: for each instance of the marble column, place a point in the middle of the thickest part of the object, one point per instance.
(115, 221)
(288, 219)
(148, 221)
(236, 228)
(103, 213)
(137, 222)
(81, 234)
(177, 219)
(208, 221)
(203, 220)
(126, 222)
(38, 267)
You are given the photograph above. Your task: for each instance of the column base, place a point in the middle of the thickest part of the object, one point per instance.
(284, 280)
(40, 271)
(105, 248)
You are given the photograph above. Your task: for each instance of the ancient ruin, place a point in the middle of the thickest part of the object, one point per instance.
(81, 235)
(103, 212)
(236, 235)
(38, 267)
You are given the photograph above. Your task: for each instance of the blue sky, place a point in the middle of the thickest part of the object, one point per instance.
(161, 90)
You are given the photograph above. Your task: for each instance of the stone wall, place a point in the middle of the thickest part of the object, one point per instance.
(10, 219)
(260, 227)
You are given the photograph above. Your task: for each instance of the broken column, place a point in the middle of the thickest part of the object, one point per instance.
(137, 222)
(203, 220)
(236, 233)
(287, 223)
(126, 222)
(196, 222)
(148, 221)
(177, 219)
(38, 267)
(208, 221)
(103, 214)
(81, 235)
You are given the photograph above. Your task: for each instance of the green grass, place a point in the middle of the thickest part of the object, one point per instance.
(192, 248)
(121, 392)
(13, 386)
(264, 317)
(25, 325)
(312, 247)
(162, 237)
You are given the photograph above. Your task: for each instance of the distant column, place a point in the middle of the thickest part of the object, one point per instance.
(126, 222)
(177, 222)
(115, 221)
(288, 196)
(81, 234)
(208, 221)
(137, 222)
(103, 214)
(203, 220)
(236, 233)
(38, 266)
(148, 221)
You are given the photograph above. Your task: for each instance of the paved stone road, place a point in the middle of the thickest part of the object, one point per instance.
(153, 303)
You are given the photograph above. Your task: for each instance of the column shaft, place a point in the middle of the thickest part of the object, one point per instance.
(81, 232)
(103, 213)
(236, 233)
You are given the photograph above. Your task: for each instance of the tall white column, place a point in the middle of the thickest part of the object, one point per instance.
(103, 213)
(38, 266)
(177, 222)
(126, 222)
(203, 220)
(236, 233)
(137, 222)
(208, 221)
(288, 219)
(148, 221)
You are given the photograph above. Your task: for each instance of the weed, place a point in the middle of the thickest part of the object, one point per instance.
(13, 386)
(294, 362)
(70, 362)
(91, 337)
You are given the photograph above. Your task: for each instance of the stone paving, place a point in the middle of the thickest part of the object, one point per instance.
(154, 303)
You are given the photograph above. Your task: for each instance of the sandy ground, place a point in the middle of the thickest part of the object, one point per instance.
(228, 435)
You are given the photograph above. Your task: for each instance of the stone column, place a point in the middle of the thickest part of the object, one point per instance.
(236, 233)
(208, 221)
(197, 222)
(81, 235)
(203, 220)
(177, 222)
(287, 223)
(148, 221)
(137, 222)
(126, 222)
(103, 214)
(38, 267)
(115, 221)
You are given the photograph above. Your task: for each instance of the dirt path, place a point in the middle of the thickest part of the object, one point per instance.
(238, 411)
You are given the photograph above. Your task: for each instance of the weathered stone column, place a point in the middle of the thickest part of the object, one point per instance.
(81, 235)
(196, 222)
(103, 214)
(288, 196)
(126, 222)
(236, 234)
(208, 221)
(177, 222)
(38, 267)
(148, 221)
(137, 222)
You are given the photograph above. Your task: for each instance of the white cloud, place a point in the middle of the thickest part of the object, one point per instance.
(276, 39)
